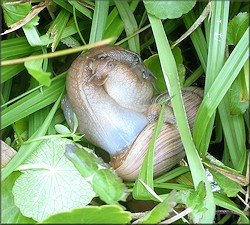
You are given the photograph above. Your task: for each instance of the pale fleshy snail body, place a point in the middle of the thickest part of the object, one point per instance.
(110, 90)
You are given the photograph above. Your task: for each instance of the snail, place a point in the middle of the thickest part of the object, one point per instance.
(110, 90)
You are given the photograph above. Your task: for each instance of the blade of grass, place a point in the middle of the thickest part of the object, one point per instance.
(146, 172)
(55, 54)
(68, 7)
(194, 26)
(8, 72)
(234, 133)
(57, 27)
(198, 38)
(20, 96)
(22, 47)
(134, 34)
(33, 102)
(173, 186)
(130, 24)
(193, 77)
(99, 21)
(171, 77)
(169, 27)
(77, 25)
(172, 174)
(32, 35)
(26, 150)
(221, 85)
(5, 91)
(69, 30)
(215, 61)
(115, 25)
(82, 9)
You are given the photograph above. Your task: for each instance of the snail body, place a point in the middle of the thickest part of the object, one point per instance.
(110, 90)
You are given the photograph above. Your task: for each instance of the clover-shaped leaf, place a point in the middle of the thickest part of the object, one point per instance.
(50, 183)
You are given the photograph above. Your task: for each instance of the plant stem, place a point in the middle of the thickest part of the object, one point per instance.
(171, 77)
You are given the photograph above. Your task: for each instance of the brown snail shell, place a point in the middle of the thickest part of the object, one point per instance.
(168, 147)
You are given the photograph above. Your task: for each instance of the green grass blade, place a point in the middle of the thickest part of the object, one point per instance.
(10, 71)
(130, 24)
(234, 133)
(215, 61)
(22, 48)
(220, 86)
(146, 172)
(198, 38)
(32, 35)
(82, 11)
(56, 29)
(99, 21)
(115, 24)
(193, 77)
(171, 77)
(33, 102)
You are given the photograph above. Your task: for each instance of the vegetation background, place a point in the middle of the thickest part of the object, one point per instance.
(184, 43)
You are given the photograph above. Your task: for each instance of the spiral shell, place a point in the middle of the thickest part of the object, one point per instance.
(168, 146)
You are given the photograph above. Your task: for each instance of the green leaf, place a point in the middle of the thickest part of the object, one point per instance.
(115, 25)
(15, 12)
(172, 174)
(8, 72)
(56, 29)
(161, 211)
(105, 214)
(10, 213)
(169, 9)
(229, 187)
(99, 21)
(215, 60)
(35, 70)
(237, 27)
(238, 105)
(33, 101)
(83, 10)
(196, 201)
(103, 179)
(130, 24)
(221, 85)
(25, 150)
(50, 183)
(153, 63)
(171, 77)
(61, 129)
(32, 35)
(140, 192)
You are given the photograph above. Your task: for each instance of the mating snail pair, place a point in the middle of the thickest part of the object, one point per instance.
(110, 90)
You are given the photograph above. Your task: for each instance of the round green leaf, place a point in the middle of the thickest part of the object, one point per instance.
(169, 9)
(106, 214)
(10, 213)
(53, 185)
